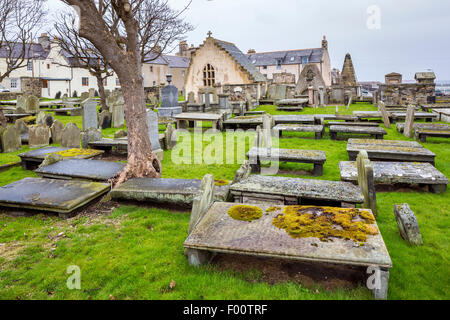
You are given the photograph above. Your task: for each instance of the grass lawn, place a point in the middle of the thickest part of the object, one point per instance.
(136, 252)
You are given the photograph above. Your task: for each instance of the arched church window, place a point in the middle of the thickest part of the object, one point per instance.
(209, 76)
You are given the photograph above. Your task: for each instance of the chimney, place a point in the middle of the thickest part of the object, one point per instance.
(182, 48)
(251, 51)
(325, 43)
(44, 41)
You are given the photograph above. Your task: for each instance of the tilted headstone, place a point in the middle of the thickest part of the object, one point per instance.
(32, 104)
(70, 137)
(384, 114)
(203, 201)
(90, 114)
(21, 126)
(407, 224)
(118, 115)
(38, 136)
(105, 119)
(90, 135)
(243, 172)
(49, 159)
(366, 181)
(170, 137)
(409, 122)
(10, 139)
(56, 131)
(153, 133)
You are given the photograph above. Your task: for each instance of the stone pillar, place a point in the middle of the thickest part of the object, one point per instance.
(321, 97)
(311, 95)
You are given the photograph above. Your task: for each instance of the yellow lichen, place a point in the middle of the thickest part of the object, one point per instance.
(70, 153)
(245, 213)
(272, 209)
(325, 223)
(28, 119)
(220, 183)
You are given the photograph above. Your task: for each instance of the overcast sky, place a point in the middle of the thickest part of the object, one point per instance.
(413, 35)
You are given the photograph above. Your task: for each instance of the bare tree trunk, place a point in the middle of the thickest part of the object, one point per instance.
(101, 92)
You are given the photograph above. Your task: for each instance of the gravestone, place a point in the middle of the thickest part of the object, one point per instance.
(366, 181)
(111, 100)
(267, 129)
(407, 224)
(169, 100)
(153, 133)
(91, 93)
(223, 101)
(48, 120)
(21, 103)
(49, 159)
(70, 137)
(104, 119)
(243, 172)
(40, 117)
(90, 114)
(32, 104)
(56, 131)
(153, 101)
(38, 136)
(10, 139)
(384, 114)
(310, 96)
(202, 202)
(84, 96)
(118, 115)
(409, 122)
(191, 97)
(90, 135)
(321, 97)
(21, 126)
(207, 100)
(170, 137)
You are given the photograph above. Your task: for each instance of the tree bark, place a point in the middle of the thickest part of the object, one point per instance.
(101, 92)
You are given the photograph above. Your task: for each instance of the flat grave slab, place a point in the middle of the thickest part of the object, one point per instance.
(93, 170)
(108, 144)
(442, 114)
(429, 107)
(294, 118)
(283, 190)
(334, 117)
(317, 129)
(243, 122)
(289, 108)
(254, 113)
(427, 116)
(353, 124)
(67, 111)
(256, 155)
(32, 159)
(292, 102)
(422, 134)
(218, 232)
(376, 132)
(427, 126)
(367, 114)
(390, 150)
(169, 191)
(61, 196)
(184, 118)
(398, 173)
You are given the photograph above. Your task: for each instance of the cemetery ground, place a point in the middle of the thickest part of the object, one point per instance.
(134, 251)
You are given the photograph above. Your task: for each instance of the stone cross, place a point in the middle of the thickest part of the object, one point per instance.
(366, 181)
(384, 114)
(409, 122)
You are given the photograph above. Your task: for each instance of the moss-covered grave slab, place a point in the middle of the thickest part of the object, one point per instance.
(426, 126)
(317, 129)
(95, 170)
(32, 159)
(244, 122)
(283, 190)
(294, 118)
(376, 132)
(54, 195)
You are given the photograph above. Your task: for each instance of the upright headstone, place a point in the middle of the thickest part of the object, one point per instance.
(207, 100)
(321, 97)
(223, 101)
(118, 115)
(90, 114)
(111, 100)
(267, 129)
(70, 137)
(90, 135)
(310, 96)
(91, 93)
(40, 117)
(203, 202)
(169, 101)
(409, 122)
(366, 181)
(84, 96)
(243, 172)
(191, 98)
(21, 126)
(105, 119)
(48, 120)
(10, 139)
(153, 133)
(170, 137)
(56, 131)
(21, 103)
(407, 224)
(38, 136)
(32, 104)
(384, 114)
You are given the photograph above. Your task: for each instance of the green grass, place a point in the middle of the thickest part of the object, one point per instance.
(135, 252)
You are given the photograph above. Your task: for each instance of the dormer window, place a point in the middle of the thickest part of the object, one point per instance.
(305, 60)
(279, 61)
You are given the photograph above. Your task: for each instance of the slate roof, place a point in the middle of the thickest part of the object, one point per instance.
(425, 75)
(31, 50)
(287, 57)
(177, 61)
(241, 59)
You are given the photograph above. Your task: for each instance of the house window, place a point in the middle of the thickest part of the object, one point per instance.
(151, 68)
(183, 73)
(209, 76)
(44, 84)
(278, 64)
(264, 67)
(48, 65)
(13, 83)
(85, 81)
(305, 60)
(30, 65)
(117, 82)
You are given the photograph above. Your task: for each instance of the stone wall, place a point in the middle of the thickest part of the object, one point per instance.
(238, 91)
(405, 94)
(31, 86)
(283, 78)
(9, 95)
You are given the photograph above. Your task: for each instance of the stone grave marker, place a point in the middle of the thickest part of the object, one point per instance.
(202, 202)
(384, 114)
(91, 93)
(191, 97)
(223, 101)
(39, 136)
(90, 114)
(21, 103)
(169, 100)
(366, 181)
(409, 122)
(10, 139)
(90, 135)
(170, 137)
(48, 120)
(118, 115)
(243, 172)
(40, 117)
(56, 131)
(120, 134)
(84, 96)
(70, 137)
(105, 119)
(21, 126)
(32, 104)
(153, 133)
(407, 224)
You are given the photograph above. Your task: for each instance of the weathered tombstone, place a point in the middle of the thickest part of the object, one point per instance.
(366, 181)
(153, 133)
(321, 97)
(84, 96)
(38, 136)
(409, 122)
(384, 114)
(21, 103)
(90, 135)
(267, 129)
(191, 97)
(10, 139)
(243, 172)
(91, 93)
(70, 137)
(311, 96)
(111, 100)
(169, 100)
(40, 117)
(32, 104)
(203, 201)
(153, 101)
(170, 137)
(118, 115)
(407, 224)
(49, 159)
(90, 114)
(223, 101)
(104, 119)
(21, 126)
(48, 120)
(56, 130)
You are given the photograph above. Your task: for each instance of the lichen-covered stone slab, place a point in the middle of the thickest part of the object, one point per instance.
(353, 124)
(396, 172)
(267, 187)
(244, 120)
(198, 116)
(374, 131)
(292, 102)
(288, 155)
(218, 232)
(335, 117)
(294, 118)
(95, 170)
(426, 126)
(54, 195)
(417, 115)
(407, 224)
(298, 128)
(109, 143)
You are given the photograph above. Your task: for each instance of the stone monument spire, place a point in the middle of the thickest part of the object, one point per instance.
(348, 76)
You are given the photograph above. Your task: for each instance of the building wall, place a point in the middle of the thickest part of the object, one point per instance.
(154, 74)
(406, 93)
(178, 78)
(227, 71)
